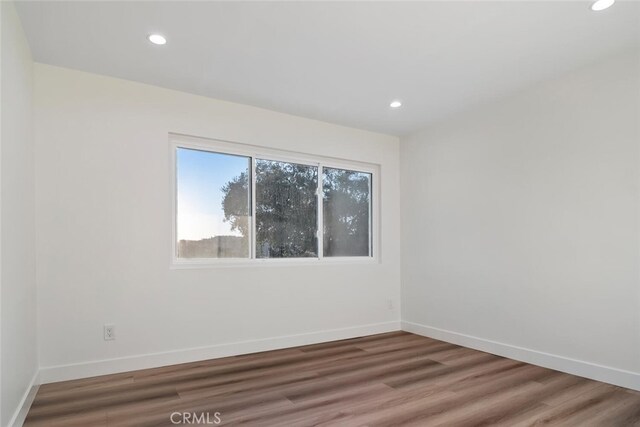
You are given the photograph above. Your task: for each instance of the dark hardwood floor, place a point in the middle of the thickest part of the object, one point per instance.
(382, 380)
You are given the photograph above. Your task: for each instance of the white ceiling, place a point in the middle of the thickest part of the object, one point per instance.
(338, 62)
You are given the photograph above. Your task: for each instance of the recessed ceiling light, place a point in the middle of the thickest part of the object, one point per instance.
(395, 104)
(157, 39)
(602, 5)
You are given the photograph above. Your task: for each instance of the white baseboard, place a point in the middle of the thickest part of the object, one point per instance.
(581, 368)
(49, 374)
(21, 411)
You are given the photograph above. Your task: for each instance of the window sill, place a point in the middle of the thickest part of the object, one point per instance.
(271, 262)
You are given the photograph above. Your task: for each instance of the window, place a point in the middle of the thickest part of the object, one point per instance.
(237, 202)
(209, 187)
(346, 206)
(286, 210)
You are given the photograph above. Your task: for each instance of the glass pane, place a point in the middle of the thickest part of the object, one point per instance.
(212, 217)
(286, 210)
(346, 212)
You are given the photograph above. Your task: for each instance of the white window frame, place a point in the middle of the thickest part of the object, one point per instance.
(254, 152)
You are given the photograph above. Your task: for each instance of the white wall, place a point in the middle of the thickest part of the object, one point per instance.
(520, 224)
(18, 345)
(103, 230)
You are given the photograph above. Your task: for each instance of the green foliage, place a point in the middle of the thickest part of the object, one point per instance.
(236, 203)
(346, 212)
(286, 210)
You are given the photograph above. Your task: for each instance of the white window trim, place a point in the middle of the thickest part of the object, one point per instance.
(257, 152)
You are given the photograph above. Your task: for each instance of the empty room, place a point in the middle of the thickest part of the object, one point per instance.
(320, 213)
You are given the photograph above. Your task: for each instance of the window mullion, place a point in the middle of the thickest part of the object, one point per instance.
(254, 240)
(320, 228)
(371, 196)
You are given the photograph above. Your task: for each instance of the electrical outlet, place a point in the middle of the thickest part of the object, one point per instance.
(109, 332)
(390, 304)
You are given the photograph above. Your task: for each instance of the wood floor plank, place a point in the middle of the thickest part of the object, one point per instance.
(433, 412)
(418, 380)
(322, 408)
(123, 398)
(229, 407)
(401, 410)
(94, 418)
(577, 411)
(85, 384)
(625, 411)
(388, 379)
